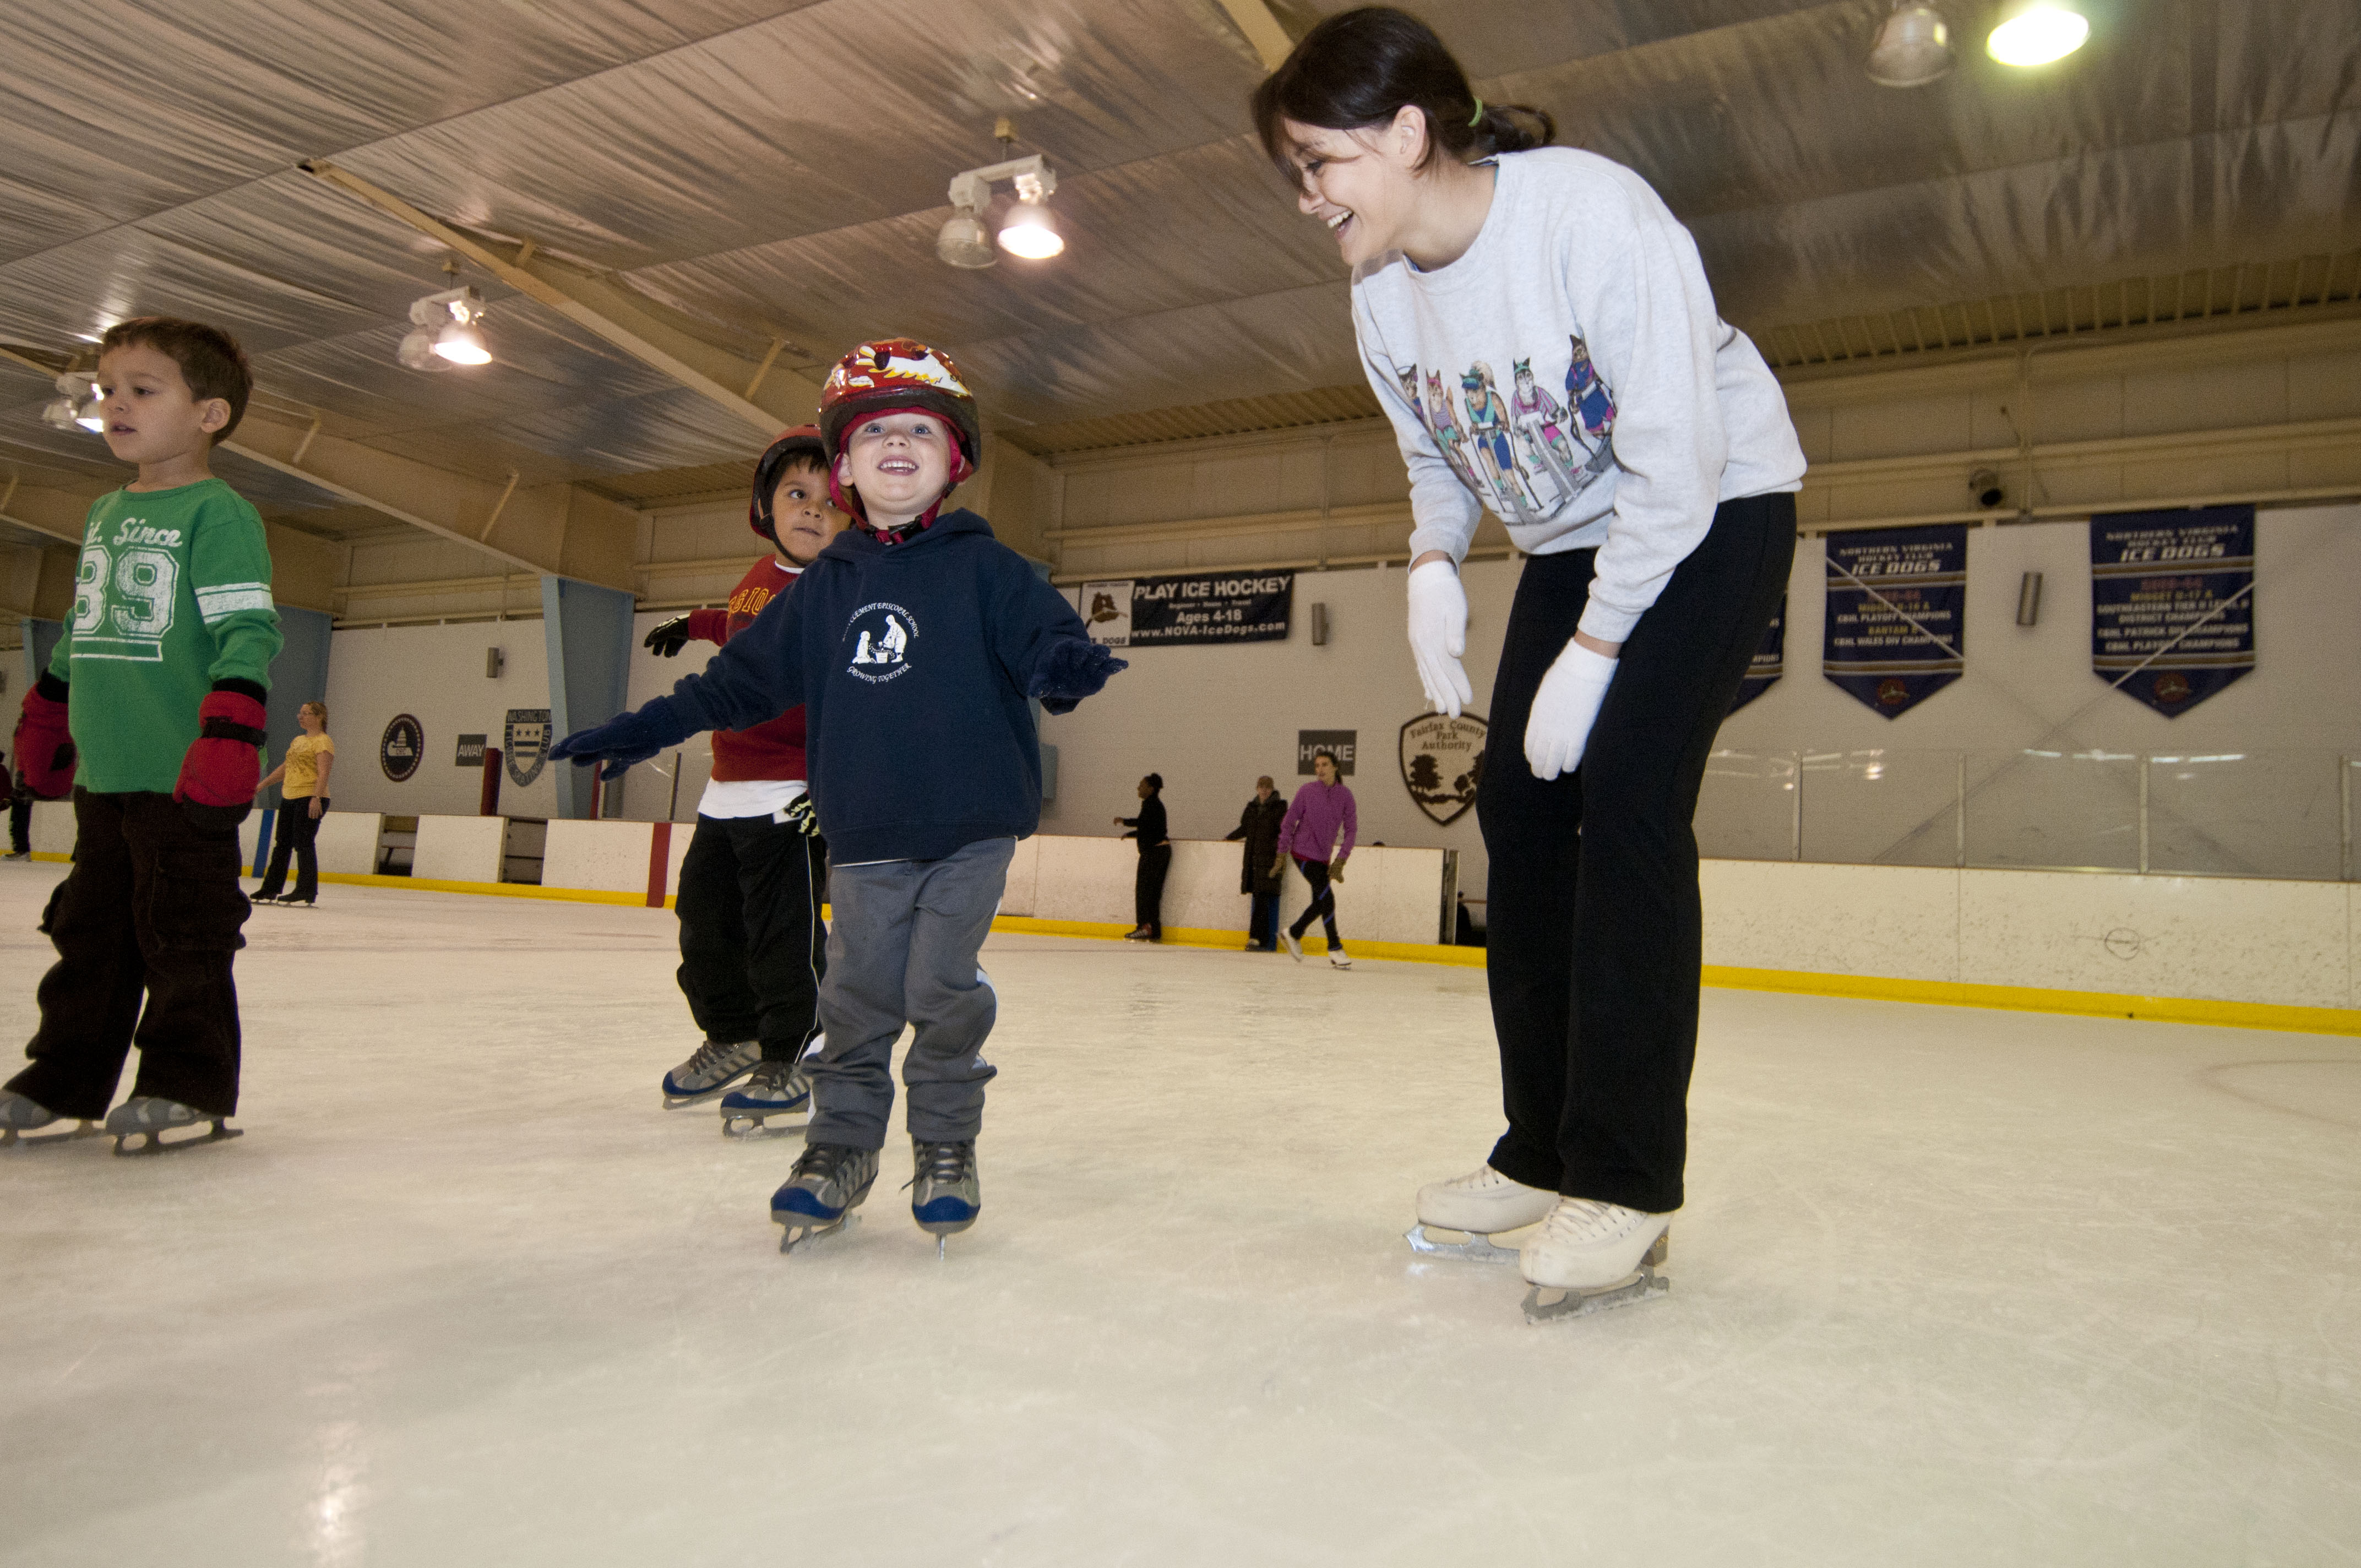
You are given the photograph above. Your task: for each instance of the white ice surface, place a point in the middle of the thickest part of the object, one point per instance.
(1952, 1287)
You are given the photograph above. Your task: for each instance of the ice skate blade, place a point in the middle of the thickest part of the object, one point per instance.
(15, 1137)
(156, 1143)
(757, 1124)
(1476, 1248)
(1582, 1303)
(801, 1231)
(702, 1097)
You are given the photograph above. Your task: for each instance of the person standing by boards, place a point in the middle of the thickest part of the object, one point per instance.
(303, 779)
(1154, 860)
(1262, 870)
(1538, 327)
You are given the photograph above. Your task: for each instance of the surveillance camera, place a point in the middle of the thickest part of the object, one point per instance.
(1985, 485)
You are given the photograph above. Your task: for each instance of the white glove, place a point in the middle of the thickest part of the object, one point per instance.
(1438, 635)
(1564, 709)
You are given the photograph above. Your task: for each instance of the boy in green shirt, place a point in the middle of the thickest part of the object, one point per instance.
(151, 711)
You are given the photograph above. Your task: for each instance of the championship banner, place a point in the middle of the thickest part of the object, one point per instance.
(1896, 614)
(1770, 660)
(2172, 603)
(1202, 606)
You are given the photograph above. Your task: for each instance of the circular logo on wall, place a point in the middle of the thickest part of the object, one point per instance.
(401, 748)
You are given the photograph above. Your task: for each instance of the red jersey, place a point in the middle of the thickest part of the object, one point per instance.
(774, 749)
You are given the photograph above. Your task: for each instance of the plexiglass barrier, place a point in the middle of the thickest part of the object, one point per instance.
(2245, 814)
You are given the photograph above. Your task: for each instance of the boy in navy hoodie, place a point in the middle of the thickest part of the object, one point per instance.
(912, 642)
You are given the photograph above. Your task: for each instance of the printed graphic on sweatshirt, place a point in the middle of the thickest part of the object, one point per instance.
(881, 636)
(128, 592)
(1522, 452)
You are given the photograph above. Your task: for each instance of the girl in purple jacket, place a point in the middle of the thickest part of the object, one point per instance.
(1321, 811)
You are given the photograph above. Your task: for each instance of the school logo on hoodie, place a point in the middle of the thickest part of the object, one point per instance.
(881, 636)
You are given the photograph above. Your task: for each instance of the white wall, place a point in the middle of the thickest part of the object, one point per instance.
(1209, 720)
(435, 673)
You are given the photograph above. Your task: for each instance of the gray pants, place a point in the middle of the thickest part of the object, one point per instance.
(903, 950)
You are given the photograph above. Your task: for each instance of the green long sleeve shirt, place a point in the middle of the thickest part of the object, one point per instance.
(172, 595)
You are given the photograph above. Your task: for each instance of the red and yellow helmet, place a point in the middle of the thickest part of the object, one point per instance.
(891, 373)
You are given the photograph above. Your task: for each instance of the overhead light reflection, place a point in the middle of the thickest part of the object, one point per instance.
(2038, 34)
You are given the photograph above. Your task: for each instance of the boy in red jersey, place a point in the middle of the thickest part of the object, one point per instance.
(752, 947)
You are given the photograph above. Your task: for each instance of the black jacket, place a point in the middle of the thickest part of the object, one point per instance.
(912, 662)
(1258, 826)
(1148, 826)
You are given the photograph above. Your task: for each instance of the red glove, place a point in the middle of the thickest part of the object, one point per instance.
(224, 762)
(45, 749)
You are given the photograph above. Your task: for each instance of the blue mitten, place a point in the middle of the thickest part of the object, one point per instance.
(1074, 668)
(632, 737)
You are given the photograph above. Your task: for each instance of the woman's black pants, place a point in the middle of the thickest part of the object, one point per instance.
(1595, 936)
(298, 835)
(1148, 888)
(1323, 907)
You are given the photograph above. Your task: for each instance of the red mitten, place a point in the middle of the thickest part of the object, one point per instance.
(44, 748)
(224, 762)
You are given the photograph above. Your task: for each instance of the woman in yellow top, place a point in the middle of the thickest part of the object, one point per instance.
(303, 800)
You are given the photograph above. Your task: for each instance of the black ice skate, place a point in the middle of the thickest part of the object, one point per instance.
(946, 1193)
(19, 1115)
(148, 1117)
(830, 1182)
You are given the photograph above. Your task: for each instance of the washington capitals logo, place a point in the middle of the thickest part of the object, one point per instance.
(882, 636)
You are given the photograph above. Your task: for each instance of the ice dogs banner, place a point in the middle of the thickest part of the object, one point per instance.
(1203, 607)
(2172, 603)
(1897, 602)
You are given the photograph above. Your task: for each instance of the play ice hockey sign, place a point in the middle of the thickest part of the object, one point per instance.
(1202, 606)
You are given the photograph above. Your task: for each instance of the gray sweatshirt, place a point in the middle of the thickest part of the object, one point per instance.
(1570, 373)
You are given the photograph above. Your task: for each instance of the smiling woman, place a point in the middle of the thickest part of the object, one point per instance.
(1540, 331)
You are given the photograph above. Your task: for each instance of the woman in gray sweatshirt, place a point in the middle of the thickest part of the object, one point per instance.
(1539, 328)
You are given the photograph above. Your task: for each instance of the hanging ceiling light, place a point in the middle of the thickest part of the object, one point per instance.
(1030, 229)
(1913, 46)
(444, 330)
(2034, 32)
(76, 405)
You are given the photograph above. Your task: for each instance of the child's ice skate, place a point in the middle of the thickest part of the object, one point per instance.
(1479, 1206)
(946, 1192)
(1588, 1256)
(148, 1117)
(19, 1115)
(774, 1088)
(829, 1182)
(717, 1065)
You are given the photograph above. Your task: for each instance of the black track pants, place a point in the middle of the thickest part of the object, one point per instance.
(1596, 935)
(752, 946)
(297, 836)
(1148, 888)
(151, 909)
(1323, 907)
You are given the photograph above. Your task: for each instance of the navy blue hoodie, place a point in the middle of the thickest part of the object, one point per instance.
(912, 662)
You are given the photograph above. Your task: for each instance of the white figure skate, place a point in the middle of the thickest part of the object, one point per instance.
(1479, 1206)
(1588, 1256)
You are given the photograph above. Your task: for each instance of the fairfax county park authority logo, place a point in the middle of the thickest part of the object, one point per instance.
(401, 748)
(1442, 762)
(882, 637)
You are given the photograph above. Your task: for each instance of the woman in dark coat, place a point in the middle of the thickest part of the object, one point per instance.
(1155, 859)
(1258, 826)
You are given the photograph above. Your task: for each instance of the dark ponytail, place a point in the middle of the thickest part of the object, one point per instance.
(1360, 67)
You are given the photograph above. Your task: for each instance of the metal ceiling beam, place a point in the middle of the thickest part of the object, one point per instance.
(638, 326)
(1271, 44)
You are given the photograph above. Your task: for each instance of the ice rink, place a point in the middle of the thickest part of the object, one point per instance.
(1952, 1287)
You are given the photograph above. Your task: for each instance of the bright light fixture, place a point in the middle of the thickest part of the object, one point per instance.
(1030, 229)
(444, 332)
(76, 405)
(1913, 46)
(2038, 33)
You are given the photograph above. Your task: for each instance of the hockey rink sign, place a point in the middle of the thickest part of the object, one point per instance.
(1198, 607)
(1897, 602)
(2172, 603)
